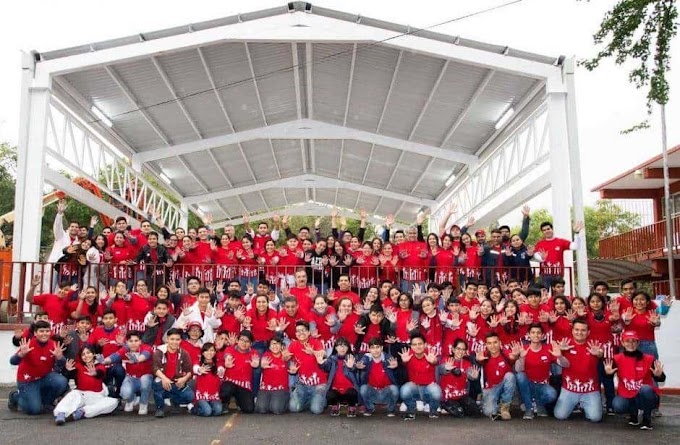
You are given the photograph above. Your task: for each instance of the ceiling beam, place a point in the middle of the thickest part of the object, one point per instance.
(347, 103)
(471, 102)
(306, 181)
(304, 129)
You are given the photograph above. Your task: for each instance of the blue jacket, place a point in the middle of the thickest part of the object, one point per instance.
(331, 367)
(367, 360)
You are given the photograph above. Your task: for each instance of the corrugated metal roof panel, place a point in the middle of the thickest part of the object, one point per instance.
(327, 156)
(272, 63)
(355, 159)
(288, 156)
(331, 65)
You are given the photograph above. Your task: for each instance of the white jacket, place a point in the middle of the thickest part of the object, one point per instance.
(209, 324)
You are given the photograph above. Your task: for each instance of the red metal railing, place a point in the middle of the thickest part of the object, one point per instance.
(16, 278)
(640, 244)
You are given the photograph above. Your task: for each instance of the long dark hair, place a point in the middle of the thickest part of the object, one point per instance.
(94, 307)
(213, 365)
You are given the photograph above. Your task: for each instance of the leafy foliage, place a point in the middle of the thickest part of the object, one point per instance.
(641, 31)
(603, 220)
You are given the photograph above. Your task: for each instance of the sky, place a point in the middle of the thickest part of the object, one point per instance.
(606, 102)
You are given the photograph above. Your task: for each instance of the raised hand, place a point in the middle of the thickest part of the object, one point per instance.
(360, 329)
(653, 318)
(58, 351)
(229, 361)
(657, 369)
(392, 363)
(526, 211)
(431, 355)
(425, 323)
(90, 369)
(61, 207)
(595, 348)
(609, 366)
(627, 315)
(578, 226)
(389, 220)
(474, 372)
(24, 347)
(411, 325)
(265, 362)
(472, 329)
(350, 361)
(293, 367)
(556, 350)
(36, 281)
(406, 355)
(254, 361)
(70, 364)
(565, 344)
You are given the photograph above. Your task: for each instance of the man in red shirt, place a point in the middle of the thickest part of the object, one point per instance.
(422, 382)
(550, 251)
(580, 381)
(637, 373)
(499, 380)
(39, 382)
(533, 372)
(56, 305)
(310, 389)
(239, 361)
(172, 369)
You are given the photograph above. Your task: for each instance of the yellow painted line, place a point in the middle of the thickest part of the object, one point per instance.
(229, 423)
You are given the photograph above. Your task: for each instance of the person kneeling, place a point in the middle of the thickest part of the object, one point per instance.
(172, 368)
(274, 395)
(90, 398)
(208, 372)
(456, 372)
(638, 373)
(422, 383)
(343, 385)
(499, 381)
(379, 382)
(239, 361)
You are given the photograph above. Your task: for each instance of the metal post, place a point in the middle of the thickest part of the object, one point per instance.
(575, 173)
(670, 243)
(184, 216)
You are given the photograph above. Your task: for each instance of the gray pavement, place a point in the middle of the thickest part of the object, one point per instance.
(296, 429)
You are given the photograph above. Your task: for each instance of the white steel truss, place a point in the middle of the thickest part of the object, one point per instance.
(72, 146)
(523, 156)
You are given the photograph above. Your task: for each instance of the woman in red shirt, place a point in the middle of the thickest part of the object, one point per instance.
(388, 263)
(443, 260)
(405, 320)
(224, 258)
(601, 322)
(274, 391)
(431, 325)
(207, 378)
(247, 261)
(89, 398)
(323, 315)
(643, 320)
(348, 319)
(468, 259)
(364, 271)
(269, 260)
(120, 254)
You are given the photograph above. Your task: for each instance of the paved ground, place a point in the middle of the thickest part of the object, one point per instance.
(120, 428)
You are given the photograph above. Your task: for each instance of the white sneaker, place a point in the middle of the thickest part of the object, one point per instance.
(143, 409)
(167, 402)
(402, 407)
(420, 406)
(129, 406)
(136, 402)
(190, 406)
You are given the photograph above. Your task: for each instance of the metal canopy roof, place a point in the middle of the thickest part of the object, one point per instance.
(279, 107)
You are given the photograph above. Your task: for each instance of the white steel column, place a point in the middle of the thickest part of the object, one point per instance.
(184, 216)
(575, 173)
(31, 161)
(559, 171)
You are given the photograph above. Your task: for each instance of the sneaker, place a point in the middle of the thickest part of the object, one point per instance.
(352, 411)
(408, 416)
(225, 409)
(368, 413)
(335, 410)
(528, 415)
(60, 419)
(494, 416)
(505, 411)
(159, 414)
(646, 424)
(390, 414)
(190, 407)
(13, 400)
(143, 409)
(541, 411)
(167, 402)
(610, 412)
(656, 413)
(634, 420)
(78, 414)
(433, 414)
(129, 406)
(402, 407)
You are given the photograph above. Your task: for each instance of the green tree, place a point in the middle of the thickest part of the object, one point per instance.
(603, 220)
(640, 31)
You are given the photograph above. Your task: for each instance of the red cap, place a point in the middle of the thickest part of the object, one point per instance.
(196, 324)
(480, 232)
(629, 335)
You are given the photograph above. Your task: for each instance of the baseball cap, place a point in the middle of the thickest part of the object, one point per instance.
(480, 232)
(629, 335)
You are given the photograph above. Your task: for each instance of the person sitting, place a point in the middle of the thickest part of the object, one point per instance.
(172, 368)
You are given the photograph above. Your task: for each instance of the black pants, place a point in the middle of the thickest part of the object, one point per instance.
(244, 397)
(464, 406)
(350, 398)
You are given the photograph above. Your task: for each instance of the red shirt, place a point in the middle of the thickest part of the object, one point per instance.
(121, 254)
(242, 373)
(229, 321)
(292, 319)
(302, 296)
(420, 371)
(56, 308)
(347, 328)
(85, 311)
(111, 344)
(641, 326)
(414, 268)
(260, 323)
(495, 369)
(37, 363)
(377, 376)
(403, 317)
(131, 313)
(444, 262)
(340, 381)
(633, 374)
(193, 350)
(309, 372)
(581, 375)
(171, 359)
(434, 334)
(207, 387)
(340, 294)
(87, 382)
(325, 334)
(537, 363)
(137, 369)
(274, 378)
(555, 247)
(454, 386)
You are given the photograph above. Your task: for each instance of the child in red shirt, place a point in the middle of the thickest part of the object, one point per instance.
(207, 377)
(343, 385)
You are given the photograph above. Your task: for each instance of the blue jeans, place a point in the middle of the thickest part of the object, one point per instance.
(136, 385)
(308, 397)
(543, 393)
(504, 392)
(646, 400)
(178, 396)
(430, 394)
(607, 382)
(591, 403)
(649, 347)
(32, 396)
(205, 408)
(260, 347)
(371, 395)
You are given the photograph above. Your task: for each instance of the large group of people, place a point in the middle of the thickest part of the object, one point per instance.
(412, 323)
